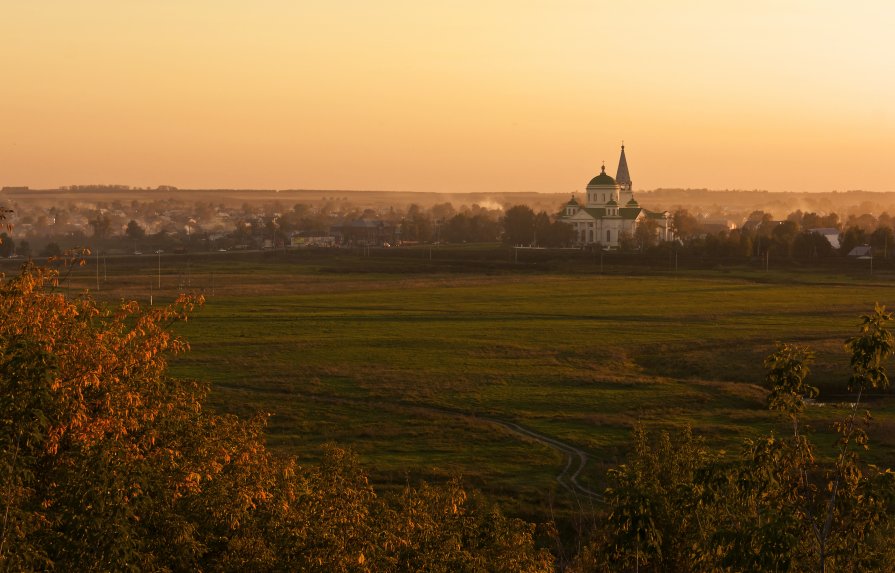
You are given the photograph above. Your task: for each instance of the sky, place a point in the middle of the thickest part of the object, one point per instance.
(459, 96)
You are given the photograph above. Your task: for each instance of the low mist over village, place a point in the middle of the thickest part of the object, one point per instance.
(120, 220)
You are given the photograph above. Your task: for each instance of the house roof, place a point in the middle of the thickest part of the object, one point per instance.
(831, 234)
(623, 212)
(595, 212)
(363, 224)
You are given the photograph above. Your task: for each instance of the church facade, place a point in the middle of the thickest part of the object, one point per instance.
(610, 212)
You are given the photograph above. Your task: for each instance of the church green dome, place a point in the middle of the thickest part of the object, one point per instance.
(602, 179)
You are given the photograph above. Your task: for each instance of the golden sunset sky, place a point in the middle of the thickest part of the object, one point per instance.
(521, 95)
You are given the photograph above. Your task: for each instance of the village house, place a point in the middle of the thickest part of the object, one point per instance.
(364, 232)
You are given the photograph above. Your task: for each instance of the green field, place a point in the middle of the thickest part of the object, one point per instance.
(410, 366)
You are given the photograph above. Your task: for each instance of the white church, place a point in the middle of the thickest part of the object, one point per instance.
(611, 211)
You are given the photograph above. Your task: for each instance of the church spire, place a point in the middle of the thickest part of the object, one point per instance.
(622, 177)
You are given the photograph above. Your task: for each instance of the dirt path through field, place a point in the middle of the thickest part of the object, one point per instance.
(575, 459)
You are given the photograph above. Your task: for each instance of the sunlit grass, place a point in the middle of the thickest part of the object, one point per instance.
(405, 361)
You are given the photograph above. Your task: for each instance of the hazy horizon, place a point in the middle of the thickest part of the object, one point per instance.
(469, 97)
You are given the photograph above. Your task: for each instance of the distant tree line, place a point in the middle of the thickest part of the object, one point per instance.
(793, 238)
(522, 226)
(122, 226)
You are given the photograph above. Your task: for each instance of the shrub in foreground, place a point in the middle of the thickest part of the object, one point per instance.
(107, 463)
(678, 506)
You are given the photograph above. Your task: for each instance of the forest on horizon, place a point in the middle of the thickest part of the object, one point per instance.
(713, 203)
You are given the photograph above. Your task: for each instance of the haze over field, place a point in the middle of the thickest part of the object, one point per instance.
(459, 97)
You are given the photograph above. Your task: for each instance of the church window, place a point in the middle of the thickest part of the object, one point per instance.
(608, 236)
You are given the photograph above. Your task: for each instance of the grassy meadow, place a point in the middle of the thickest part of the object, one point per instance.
(408, 362)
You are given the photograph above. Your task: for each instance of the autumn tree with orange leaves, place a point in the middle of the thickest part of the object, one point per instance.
(107, 463)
